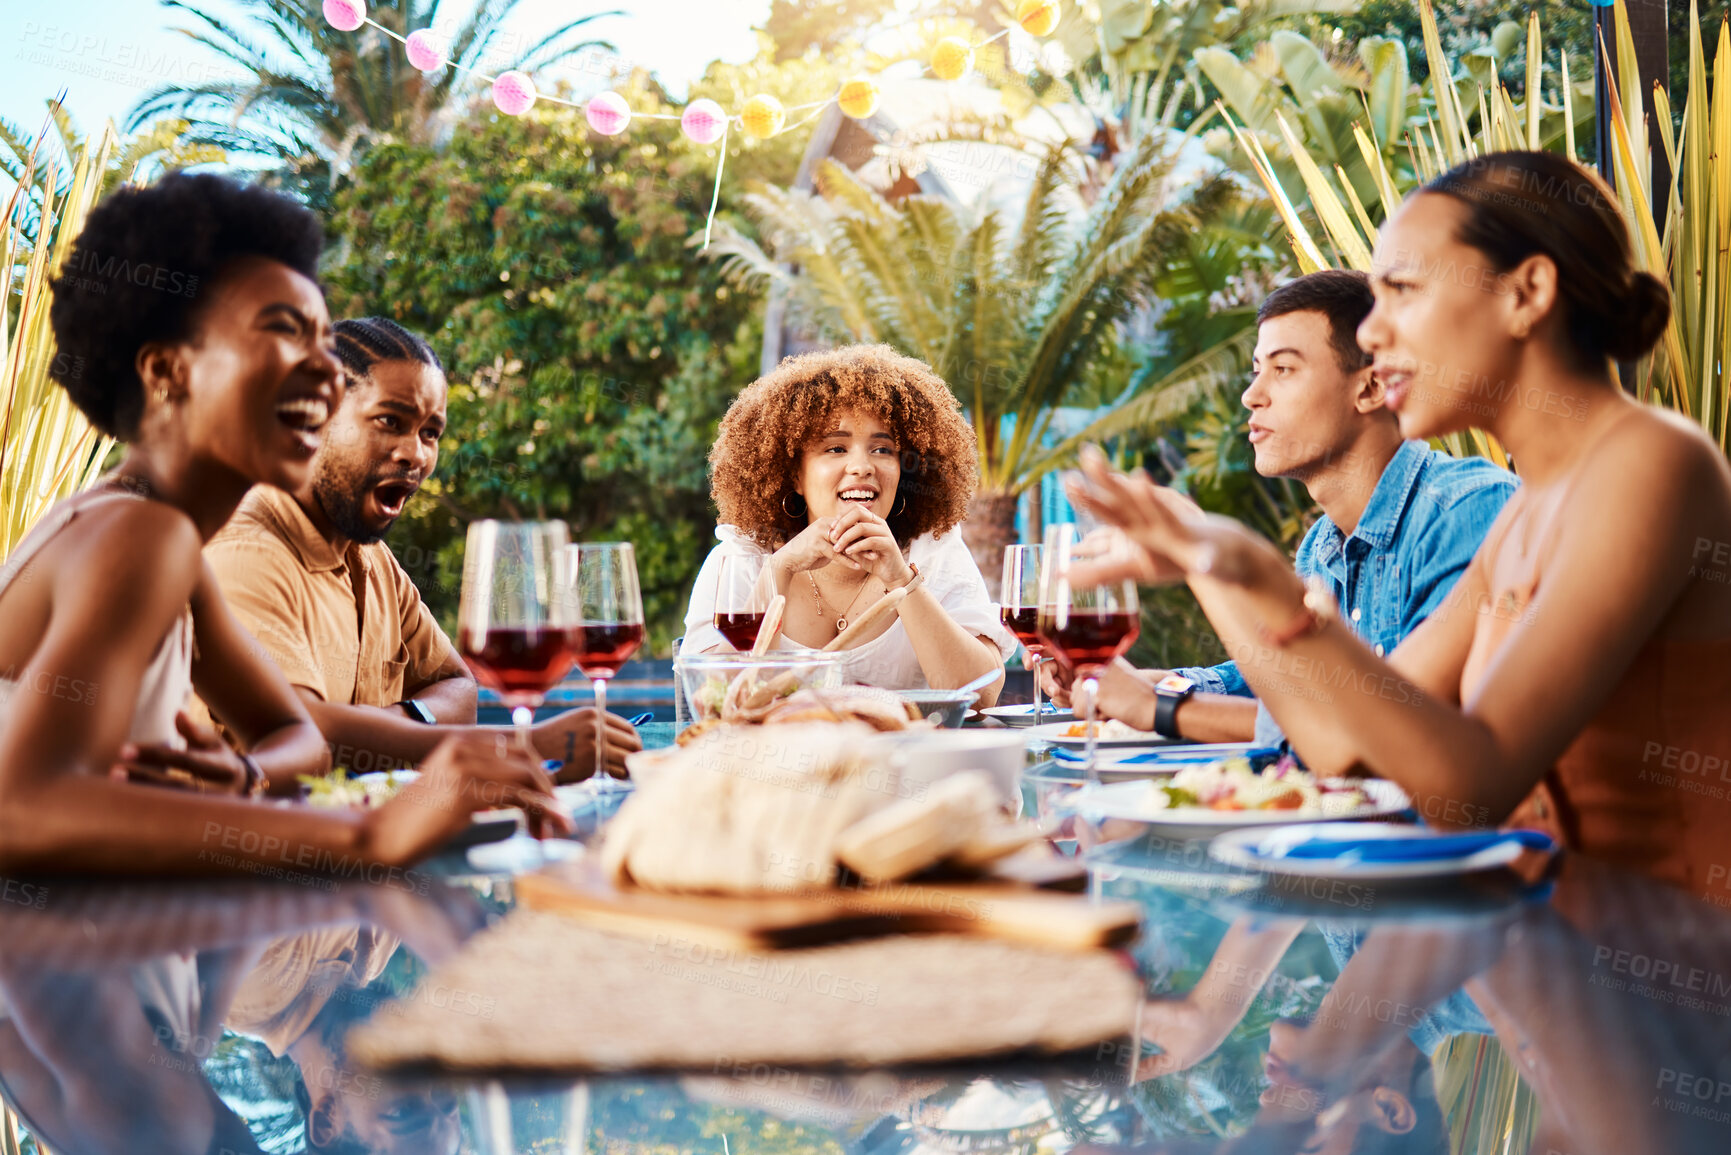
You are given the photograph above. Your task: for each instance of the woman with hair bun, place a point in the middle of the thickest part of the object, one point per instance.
(849, 471)
(1577, 680)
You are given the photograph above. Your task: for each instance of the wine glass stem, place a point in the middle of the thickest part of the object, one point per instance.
(1090, 687)
(1034, 665)
(600, 730)
(523, 722)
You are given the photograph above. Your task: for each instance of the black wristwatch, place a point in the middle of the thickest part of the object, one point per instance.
(417, 709)
(1169, 692)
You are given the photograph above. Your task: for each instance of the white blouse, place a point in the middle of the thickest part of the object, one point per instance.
(888, 660)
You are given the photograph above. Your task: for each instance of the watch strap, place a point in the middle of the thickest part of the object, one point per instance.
(1166, 714)
(1166, 703)
(417, 709)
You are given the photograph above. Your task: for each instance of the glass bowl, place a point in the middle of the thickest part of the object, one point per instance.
(707, 678)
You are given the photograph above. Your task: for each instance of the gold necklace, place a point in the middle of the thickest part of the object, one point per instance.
(822, 611)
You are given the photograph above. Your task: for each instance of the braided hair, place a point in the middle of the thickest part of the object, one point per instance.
(363, 342)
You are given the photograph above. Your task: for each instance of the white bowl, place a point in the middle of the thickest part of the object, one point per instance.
(924, 757)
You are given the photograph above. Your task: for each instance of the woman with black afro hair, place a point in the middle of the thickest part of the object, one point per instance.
(190, 325)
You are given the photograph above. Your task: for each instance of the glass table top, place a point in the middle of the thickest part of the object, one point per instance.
(1581, 1010)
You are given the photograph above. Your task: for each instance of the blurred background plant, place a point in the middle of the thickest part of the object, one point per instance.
(47, 448)
(590, 355)
(1686, 243)
(308, 96)
(1022, 312)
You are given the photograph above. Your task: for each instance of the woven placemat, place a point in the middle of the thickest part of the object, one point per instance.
(539, 992)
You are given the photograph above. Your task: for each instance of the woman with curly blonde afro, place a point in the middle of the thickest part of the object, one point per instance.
(848, 472)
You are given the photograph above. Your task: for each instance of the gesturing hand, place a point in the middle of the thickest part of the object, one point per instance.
(463, 774)
(1174, 539)
(207, 765)
(864, 538)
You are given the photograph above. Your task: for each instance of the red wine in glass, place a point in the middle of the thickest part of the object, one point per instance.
(1091, 640)
(742, 597)
(515, 618)
(1086, 626)
(740, 630)
(609, 628)
(1025, 624)
(602, 650)
(1019, 595)
(516, 661)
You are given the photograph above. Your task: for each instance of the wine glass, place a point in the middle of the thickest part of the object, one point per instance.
(1086, 627)
(609, 629)
(1019, 602)
(741, 598)
(516, 616)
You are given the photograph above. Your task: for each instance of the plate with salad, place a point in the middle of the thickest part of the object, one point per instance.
(1228, 795)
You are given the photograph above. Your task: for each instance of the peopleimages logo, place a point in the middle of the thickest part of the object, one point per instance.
(145, 275)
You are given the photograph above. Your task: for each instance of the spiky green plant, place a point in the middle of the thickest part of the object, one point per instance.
(1017, 311)
(1689, 247)
(48, 450)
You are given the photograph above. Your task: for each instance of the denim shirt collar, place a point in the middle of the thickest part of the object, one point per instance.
(1382, 514)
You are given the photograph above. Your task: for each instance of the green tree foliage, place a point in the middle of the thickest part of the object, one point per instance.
(590, 350)
(306, 95)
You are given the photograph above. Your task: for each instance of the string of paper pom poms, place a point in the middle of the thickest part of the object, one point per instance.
(703, 121)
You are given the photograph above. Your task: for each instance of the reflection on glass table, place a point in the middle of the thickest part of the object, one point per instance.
(195, 1019)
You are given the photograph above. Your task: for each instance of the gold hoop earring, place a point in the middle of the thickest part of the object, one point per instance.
(789, 512)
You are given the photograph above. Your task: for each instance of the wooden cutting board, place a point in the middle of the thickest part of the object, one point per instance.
(581, 891)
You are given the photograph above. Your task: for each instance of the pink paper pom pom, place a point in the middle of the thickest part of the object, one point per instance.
(607, 113)
(513, 93)
(346, 15)
(425, 50)
(703, 121)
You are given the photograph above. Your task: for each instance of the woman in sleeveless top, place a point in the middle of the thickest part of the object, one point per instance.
(1576, 679)
(211, 356)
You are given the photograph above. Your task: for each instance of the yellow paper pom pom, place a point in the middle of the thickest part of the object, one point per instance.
(859, 97)
(952, 58)
(762, 116)
(1038, 17)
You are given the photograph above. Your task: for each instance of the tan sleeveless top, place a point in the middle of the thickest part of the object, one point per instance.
(1646, 786)
(168, 680)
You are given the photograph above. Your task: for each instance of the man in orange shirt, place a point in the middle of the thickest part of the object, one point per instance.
(310, 576)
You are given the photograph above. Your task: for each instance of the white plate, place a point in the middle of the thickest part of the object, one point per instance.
(521, 854)
(1130, 801)
(1057, 734)
(1023, 714)
(1241, 848)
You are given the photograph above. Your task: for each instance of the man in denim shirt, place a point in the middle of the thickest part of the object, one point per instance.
(1399, 521)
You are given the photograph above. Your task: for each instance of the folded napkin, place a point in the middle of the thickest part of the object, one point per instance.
(1172, 755)
(1416, 849)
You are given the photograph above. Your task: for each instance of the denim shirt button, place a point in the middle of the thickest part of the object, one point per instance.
(1379, 649)
(1356, 613)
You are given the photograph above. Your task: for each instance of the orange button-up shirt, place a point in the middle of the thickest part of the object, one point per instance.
(345, 623)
